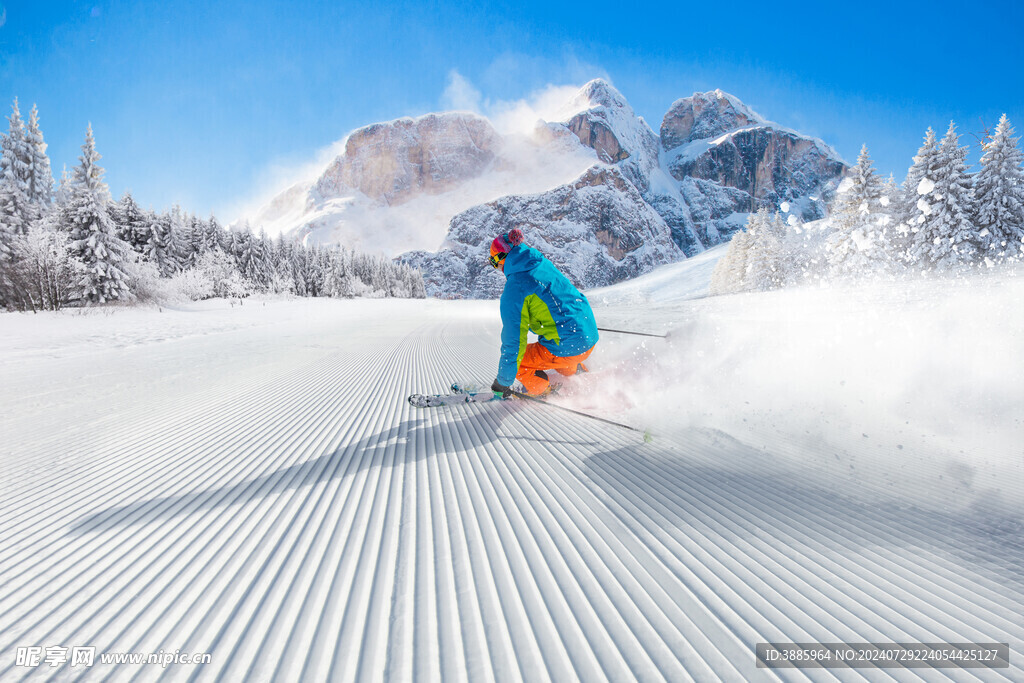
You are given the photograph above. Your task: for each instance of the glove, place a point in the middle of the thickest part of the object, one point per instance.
(500, 390)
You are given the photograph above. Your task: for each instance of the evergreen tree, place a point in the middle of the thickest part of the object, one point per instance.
(946, 237)
(16, 212)
(749, 260)
(26, 192)
(890, 199)
(176, 238)
(213, 235)
(40, 180)
(94, 242)
(417, 289)
(727, 277)
(133, 223)
(251, 259)
(262, 254)
(63, 192)
(336, 281)
(909, 213)
(159, 248)
(858, 245)
(298, 258)
(764, 255)
(194, 240)
(999, 187)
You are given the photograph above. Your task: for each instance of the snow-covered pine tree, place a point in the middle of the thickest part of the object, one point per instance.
(362, 264)
(299, 263)
(243, 246)
(157, 247)
(281, 260)
(251, 260)
(947, 237)
(794, 254)
(890, 237)
(40, 179)
(164, 247)
(417, 287)
(764, 257)
(857, 247)
(16, 212)
(234, 248)
(890, 199)
(212, 235)
(93, 238)
(225, 238)
(26, 195)
(63, 192)
(909, 212)
(334, 273)
(194, 240)
(730, 271)
(281, 281)
(132, 222)
(315, 274)
(350, 285)
(115, 216)
(405, 285)
(177, 242)
(999, 190)
(265, 253)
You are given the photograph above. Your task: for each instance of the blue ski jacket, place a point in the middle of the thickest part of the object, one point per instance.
(539, 298)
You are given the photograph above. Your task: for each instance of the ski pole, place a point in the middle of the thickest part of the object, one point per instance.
(646, 433)
(639, 334)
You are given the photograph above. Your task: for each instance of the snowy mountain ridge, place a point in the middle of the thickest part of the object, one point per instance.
(411, 188)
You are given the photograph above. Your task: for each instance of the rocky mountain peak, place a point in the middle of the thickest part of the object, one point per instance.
(599, 93)
(605, 122)
(395, 161)
(704, 115)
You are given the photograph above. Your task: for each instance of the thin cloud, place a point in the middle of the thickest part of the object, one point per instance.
(521, 116)
(510, 116)
(277, 177)
(460, 95)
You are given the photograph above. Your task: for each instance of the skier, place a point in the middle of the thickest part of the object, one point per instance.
(539, 298)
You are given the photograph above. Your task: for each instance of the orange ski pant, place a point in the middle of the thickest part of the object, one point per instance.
(537, 357)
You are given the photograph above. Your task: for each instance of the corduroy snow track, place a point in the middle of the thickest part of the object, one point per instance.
(265, 494)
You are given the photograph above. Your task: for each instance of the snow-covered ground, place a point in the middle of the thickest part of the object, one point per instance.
(248, 481)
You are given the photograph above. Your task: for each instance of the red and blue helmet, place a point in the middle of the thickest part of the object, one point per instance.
(503, 244)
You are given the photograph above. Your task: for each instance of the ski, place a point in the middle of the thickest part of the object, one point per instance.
(461, 393)
(469, 394)
(432, 401)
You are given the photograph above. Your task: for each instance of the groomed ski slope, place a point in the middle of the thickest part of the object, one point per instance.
(249, 482)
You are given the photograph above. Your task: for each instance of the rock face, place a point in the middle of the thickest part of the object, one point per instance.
(608, 125)
(595, 134)
(729, 162)
(769, 165)
(394, 162)
(623, 200)
(598, 230)
(703, 116)
(599, 124)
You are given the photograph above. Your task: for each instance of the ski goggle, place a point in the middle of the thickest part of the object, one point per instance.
(497, 259)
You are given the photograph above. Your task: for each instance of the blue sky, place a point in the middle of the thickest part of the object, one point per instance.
(209, 104)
